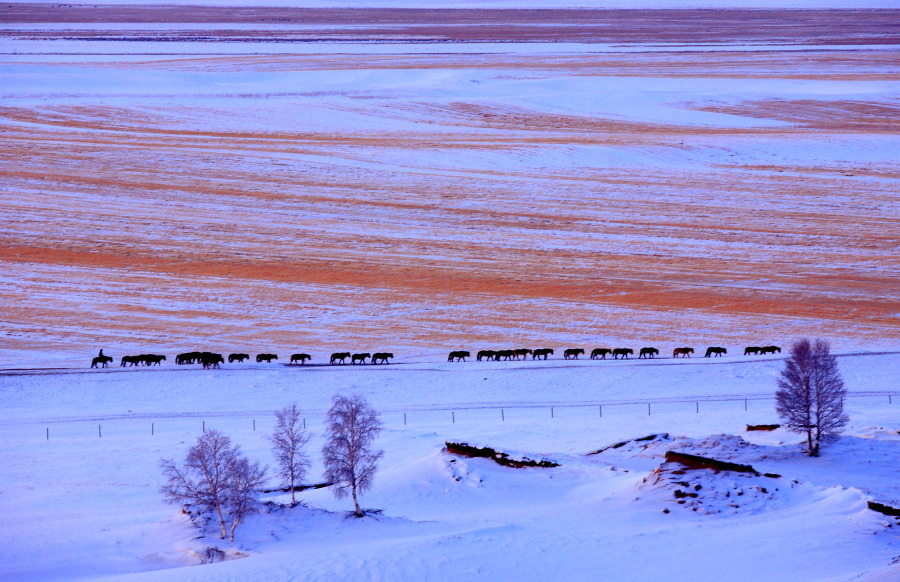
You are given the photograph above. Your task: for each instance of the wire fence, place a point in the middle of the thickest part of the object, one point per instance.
(188, 424)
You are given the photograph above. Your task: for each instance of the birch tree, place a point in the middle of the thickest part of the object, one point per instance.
(288, 440)
(216, 477)
(349, 457)
(810, 395)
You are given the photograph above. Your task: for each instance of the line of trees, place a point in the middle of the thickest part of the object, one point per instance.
(216, 476)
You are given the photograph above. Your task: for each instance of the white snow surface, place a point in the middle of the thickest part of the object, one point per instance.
(79, 482)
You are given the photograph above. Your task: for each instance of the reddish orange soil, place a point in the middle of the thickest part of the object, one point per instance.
(142, 226)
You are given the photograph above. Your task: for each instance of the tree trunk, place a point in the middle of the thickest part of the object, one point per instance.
(234, 525)
(359, 512)
(222, 522)
(293, 496)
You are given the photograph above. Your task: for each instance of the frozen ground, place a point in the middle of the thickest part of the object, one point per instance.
(80, 507)
(424, 187)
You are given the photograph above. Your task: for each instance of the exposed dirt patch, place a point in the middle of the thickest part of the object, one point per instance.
(165, 222)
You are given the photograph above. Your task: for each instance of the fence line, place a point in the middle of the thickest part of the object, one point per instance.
(449, 414)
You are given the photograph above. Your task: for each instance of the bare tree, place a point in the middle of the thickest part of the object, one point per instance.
(810, 395)
(288, 441)
(215, 477)
(350, 460)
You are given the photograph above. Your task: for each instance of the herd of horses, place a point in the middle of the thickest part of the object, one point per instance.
(599, 353)
(212, 360)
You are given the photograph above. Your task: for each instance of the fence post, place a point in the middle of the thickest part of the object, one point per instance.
(99, 432)
(502, 415)
(648, 409)
(698, 407)
(551, 412)
(404, 419)
(453, 414)
(48, 433)
(601, 410)
(254, 425)
(152, 429)
(304, 424)
(745, 405)
(204, 427)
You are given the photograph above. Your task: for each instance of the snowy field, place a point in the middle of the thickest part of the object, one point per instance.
(422, 182)
(84, 503)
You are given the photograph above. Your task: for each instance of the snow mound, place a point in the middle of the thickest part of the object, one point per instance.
(710, 491)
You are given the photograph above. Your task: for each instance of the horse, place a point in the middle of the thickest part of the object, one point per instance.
(541, 352)
(339, 357)
(523, 352)
(102, 360)
(770, 350)
(648, 352)
(486, 354)
(211, 360)
(381, 357)
(622, 352)
(715, 350)
(130, 361)
(189, 358)
(683, 352)
(360, 358)
(504, 354)
(600, 353)
(572, 353)
(267, 358)
(459, 356)
(152, 359)
(237, 358)
(300, 358)
(752, 350)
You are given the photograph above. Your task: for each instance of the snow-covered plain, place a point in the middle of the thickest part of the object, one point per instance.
(421, 197)
(84, 503)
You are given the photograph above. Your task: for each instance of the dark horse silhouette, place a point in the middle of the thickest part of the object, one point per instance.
(600, 353)
(714, 350)
(770, 350)
(648, 353)
(130, 360)
(683, 352)
(381, 357)
(300, 358)
(189, 358)
(572, 353)
(458, 356)
(360, 358)
(211, 360)
(622, 352)
(339, 357)
(267, 358)
(102, 360)
(486, 354)
(752, 350)
(541, 353)
(238, 357)
(522, 352)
